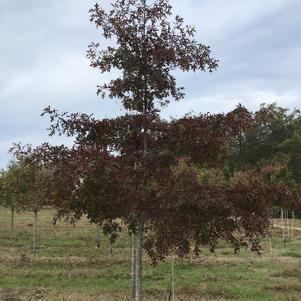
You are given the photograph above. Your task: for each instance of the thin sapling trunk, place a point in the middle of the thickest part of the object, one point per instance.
(293, 217)
(133, 264)
(12, 222)
(173, 276)
(287, 224)
(34, 246)
(97, 237)
(110, 250)
(282, 224)
(138, 267)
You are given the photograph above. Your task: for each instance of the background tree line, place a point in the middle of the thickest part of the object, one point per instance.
(272, 146)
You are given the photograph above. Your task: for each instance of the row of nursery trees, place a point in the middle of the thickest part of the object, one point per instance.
(23, 187)
(176, 185)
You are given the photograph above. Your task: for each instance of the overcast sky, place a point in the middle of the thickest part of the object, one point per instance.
(42, 61)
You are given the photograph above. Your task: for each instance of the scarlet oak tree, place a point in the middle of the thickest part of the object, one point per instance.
(138, 168)
(148, 44)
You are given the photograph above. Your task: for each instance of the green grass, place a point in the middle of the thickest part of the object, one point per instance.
(67, 266)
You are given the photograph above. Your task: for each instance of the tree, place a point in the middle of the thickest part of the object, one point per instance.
(39, 181)
(34, 183)
(139, 168)
(36, 179)
(149, 45)
(272, 138)
(12, 188)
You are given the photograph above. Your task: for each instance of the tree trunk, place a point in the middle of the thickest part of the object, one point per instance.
(282, 223)
(140, 225)
(34, 246)
(133, 265)
(293, 217)
(287, 224)
(173, 276)
(110, 250)
(271, 235)
(138, 267)
(97, 237)
(12, 221)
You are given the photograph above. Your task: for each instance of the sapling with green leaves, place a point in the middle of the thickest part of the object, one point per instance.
(37, 184)
(37, 194)
(12, 188)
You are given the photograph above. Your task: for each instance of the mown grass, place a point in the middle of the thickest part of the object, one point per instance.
(67, 266)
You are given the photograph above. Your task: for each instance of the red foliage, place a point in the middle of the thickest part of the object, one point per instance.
(105, 177)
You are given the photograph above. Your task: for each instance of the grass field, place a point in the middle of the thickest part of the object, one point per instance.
(68, 267)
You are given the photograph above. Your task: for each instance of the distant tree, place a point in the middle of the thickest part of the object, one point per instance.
(37, 195)
(291, 146)
(272, 145)
(12, 188)
(36, 180)
(272, 138)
